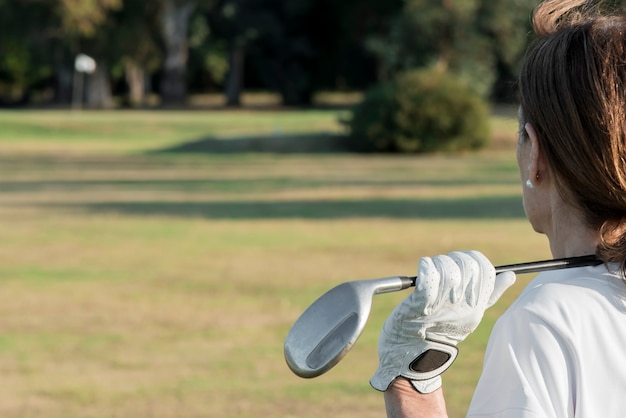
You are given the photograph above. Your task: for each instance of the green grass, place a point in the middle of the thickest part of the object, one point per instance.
(140, 131)
(140, 282)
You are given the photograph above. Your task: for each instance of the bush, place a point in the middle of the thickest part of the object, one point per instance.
(421, 111)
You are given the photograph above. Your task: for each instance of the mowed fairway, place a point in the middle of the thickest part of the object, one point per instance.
(138, 282)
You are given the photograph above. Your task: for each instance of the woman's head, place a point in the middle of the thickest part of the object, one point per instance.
(573, 92)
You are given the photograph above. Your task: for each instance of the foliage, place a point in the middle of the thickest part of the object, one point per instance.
(208, 63)
(136, 21)
(479, 40)
(24, 50)
(421, 111)
(276, 36)
(295, 48)
(309, 45)
(82, 17)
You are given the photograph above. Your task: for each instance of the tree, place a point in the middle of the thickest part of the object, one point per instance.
(82, 17)
(25, 50)
(208, 63)
(239, 24)
(506, 26)
(174, 20)
(277, 34)
(41, 38)
(343, 59)
(79, 27)
(291, 47)
(136, 60)
(174, 24)
(474, 39)
(295, 48)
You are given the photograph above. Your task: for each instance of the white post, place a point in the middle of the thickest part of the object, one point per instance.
(83, 64)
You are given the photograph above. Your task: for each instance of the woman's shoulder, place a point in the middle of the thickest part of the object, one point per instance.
(573, 292)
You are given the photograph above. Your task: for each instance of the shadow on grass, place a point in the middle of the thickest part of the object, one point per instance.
(278, 144)
(237, 186)
(500, 207)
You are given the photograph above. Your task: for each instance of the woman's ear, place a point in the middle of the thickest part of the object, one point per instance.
(537, 167)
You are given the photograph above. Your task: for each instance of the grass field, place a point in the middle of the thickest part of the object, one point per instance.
(142, 281)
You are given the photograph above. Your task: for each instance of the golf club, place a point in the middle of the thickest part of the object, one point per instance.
(328, 329)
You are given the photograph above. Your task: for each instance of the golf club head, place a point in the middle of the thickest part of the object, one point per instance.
(327, 330)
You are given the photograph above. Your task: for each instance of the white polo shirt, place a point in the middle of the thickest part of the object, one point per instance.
(559, 350)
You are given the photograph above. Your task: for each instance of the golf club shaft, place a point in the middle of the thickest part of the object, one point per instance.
(544, 265)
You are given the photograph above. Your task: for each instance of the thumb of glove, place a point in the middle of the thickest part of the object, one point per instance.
(502, 283)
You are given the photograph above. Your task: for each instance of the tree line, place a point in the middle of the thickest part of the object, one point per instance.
(293, 47)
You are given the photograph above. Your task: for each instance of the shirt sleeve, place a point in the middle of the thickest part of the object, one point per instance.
(526, 372)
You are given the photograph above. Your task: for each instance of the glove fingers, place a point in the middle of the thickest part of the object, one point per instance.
(426, 294)
(502, 283)
(451, 283)
(487, 276)
(446, 279)
(471, 265)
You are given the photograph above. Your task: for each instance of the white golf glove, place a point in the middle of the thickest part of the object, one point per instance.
(418, 340)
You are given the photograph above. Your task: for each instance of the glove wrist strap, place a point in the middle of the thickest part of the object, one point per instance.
(435, 359)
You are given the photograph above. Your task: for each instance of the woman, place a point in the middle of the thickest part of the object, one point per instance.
(558, 350)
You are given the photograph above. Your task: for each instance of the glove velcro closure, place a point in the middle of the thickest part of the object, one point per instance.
(435, 358)
(421, 364)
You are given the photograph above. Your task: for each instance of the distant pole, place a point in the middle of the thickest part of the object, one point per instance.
(83, 64)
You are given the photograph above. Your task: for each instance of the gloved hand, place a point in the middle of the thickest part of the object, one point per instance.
(418, 340)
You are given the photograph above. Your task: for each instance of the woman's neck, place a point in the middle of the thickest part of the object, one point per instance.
(569, 236)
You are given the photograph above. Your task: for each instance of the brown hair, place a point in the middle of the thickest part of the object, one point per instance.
(573, 91)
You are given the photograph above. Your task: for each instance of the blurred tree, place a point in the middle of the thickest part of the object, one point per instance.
(339, 30)
(287, 52)
(174, 19)
(174, 25)
(291, 47)
(297, 47)
(270, 41)
(79, 27)
(506, 27)
(208, 61)
(83, 17)
(478, 40)
(159, 31)
(25, 61)
(238, 23)
(41, 38)
(134, 61)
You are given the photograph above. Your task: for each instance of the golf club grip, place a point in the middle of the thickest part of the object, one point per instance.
(545, 265)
